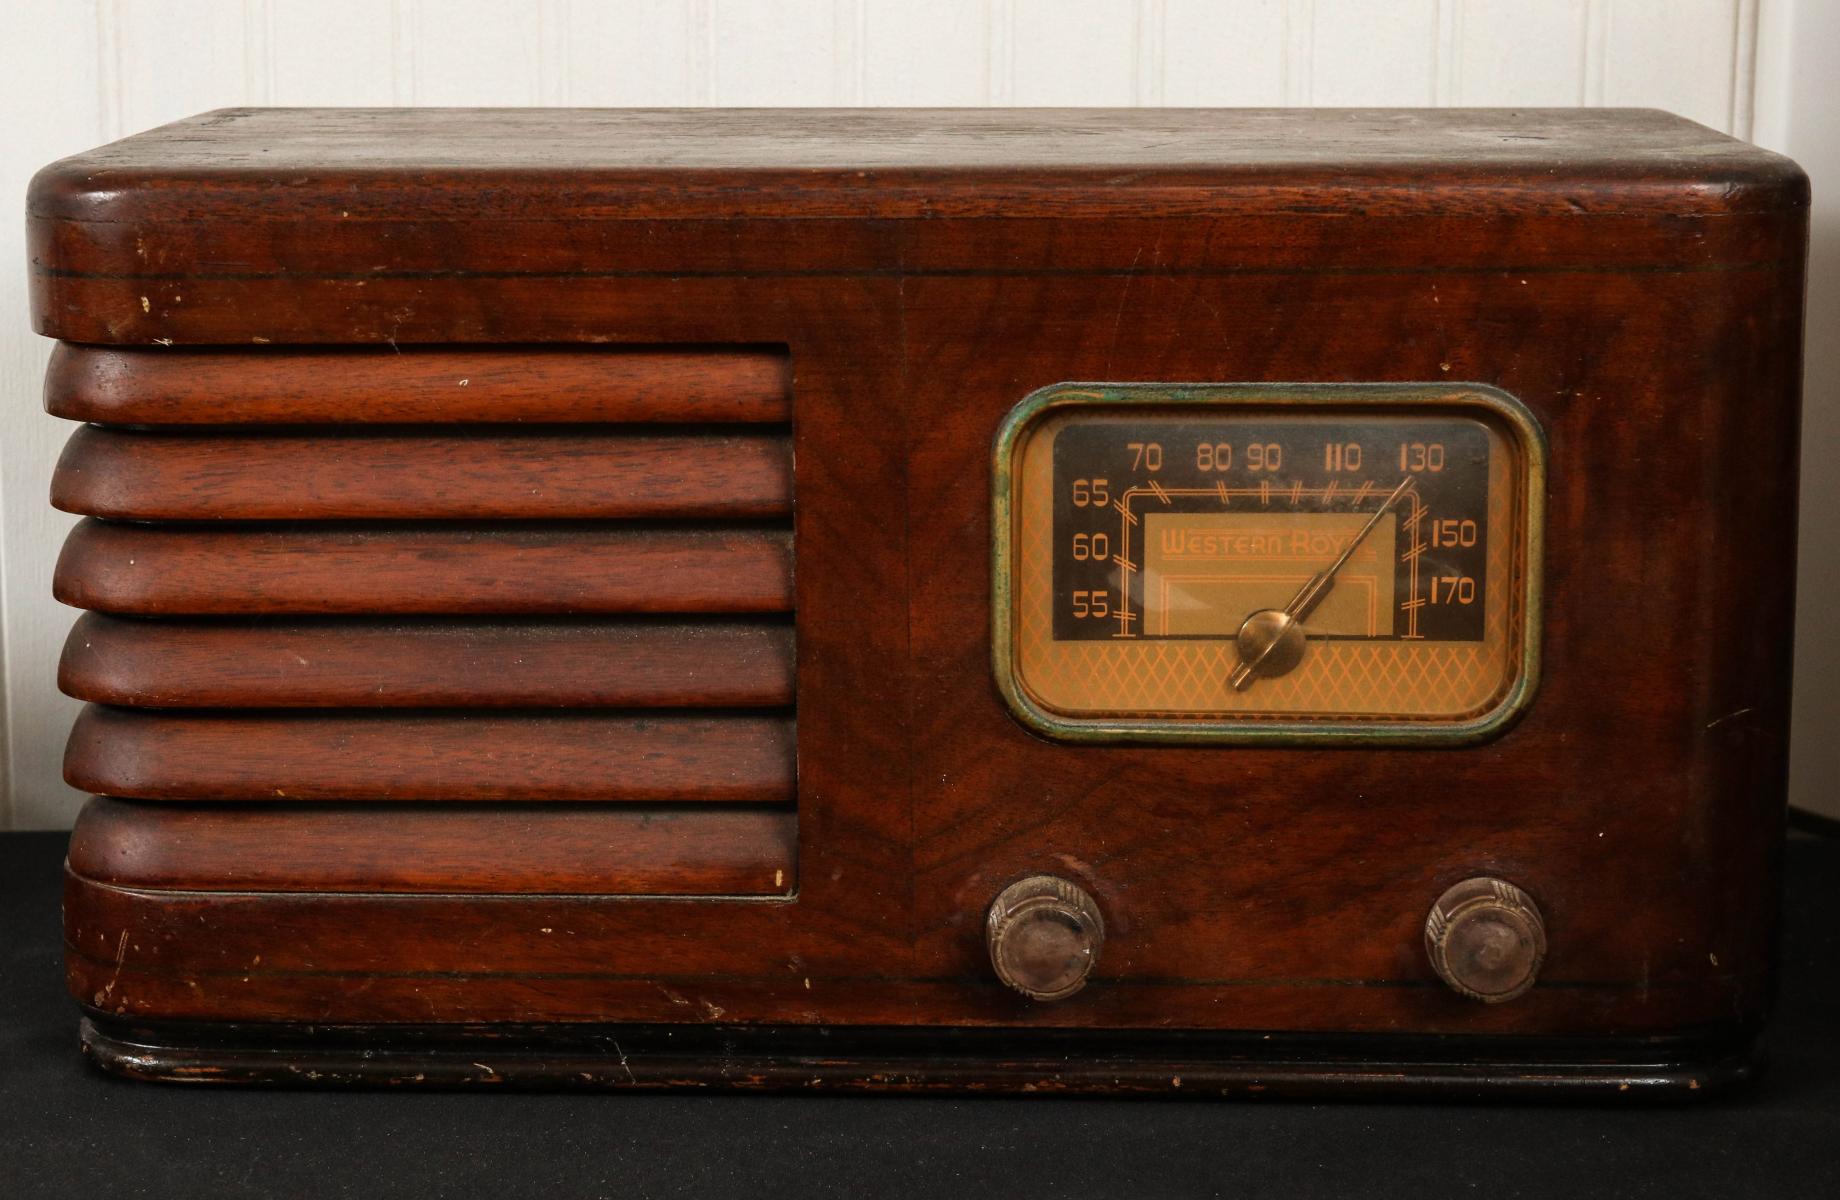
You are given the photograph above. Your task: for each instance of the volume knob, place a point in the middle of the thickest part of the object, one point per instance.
(1044, 934)
(1486, 939)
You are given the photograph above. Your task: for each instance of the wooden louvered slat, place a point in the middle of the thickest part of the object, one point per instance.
(147, 570)
(499, 849)
(572, 756)
(381, 663)
(275, 386)
(464, 474)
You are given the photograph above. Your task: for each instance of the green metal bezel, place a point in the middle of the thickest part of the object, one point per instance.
(1507, 411)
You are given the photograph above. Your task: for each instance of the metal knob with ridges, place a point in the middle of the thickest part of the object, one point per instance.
(1486, 939)
(1044, 935)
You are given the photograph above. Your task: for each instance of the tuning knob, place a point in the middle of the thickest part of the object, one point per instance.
(1486, 939)
(1044, 935)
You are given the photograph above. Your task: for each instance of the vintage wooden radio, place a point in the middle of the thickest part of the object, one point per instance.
(1188, 601)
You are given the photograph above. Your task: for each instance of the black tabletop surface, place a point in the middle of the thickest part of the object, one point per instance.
(68, 1130)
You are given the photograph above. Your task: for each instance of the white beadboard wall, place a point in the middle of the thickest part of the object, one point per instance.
(76, 73)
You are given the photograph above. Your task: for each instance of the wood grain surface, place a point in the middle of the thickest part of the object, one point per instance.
(278, 385)
(573, 756)
(585, 473)
(433, 663)
(406, 849)
(364, 570)
(225, 248)
(687, 164)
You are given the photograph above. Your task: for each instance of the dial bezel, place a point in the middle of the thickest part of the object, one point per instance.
(1508, 413)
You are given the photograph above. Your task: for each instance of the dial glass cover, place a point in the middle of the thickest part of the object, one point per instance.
(1266, 562)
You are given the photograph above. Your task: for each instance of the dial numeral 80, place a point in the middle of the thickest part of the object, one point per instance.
(1214, 456)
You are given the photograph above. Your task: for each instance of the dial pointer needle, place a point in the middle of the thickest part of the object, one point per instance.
(1317, 587)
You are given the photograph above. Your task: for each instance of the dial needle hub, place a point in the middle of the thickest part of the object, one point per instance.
(1271, 640)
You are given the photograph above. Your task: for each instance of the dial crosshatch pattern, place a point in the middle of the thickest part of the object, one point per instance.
(1265, 560)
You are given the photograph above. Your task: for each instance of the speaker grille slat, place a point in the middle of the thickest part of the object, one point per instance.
(664, 662)
(494, 474)
(440, 385)
(421, 849)
(585, 757)
(495, 569)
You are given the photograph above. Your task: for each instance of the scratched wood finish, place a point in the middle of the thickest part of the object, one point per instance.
(476, 955)
(493, 849)
(420, 385)
(433, 663)
(573, 756)
(1639, 1071)
(1635, 280)
(551, 202)
(363, 570)
(585, 473)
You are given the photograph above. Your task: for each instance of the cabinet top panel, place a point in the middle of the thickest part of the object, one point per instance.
(280, 164)
(460, 225)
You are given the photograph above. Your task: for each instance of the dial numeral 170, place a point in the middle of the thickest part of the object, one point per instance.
(1452, 589)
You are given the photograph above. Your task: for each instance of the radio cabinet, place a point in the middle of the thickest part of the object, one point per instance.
(646, 599)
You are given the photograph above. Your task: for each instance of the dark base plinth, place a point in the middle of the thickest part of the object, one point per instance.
(950, 1061)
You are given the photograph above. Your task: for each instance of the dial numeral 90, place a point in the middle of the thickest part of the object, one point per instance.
(1264, 456)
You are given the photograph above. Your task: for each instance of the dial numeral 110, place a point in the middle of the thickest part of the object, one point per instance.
(1342, 456)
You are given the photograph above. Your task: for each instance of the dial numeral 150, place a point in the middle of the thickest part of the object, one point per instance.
(1453, 532)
